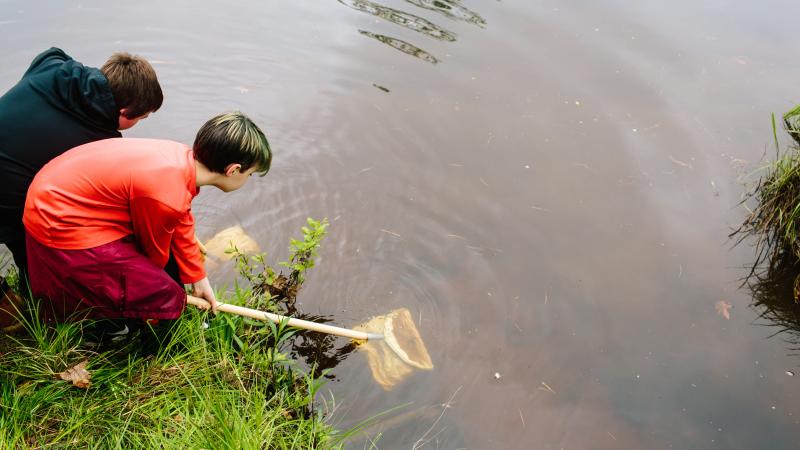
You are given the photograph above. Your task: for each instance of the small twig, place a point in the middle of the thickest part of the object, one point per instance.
(680, 163)
(424, 439)
(392, 233)
(547, 388)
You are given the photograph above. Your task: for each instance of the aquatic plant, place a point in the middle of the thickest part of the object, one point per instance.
(282, 288)
(774, 223)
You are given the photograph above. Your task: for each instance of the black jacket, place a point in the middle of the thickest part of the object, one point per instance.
(58, 104)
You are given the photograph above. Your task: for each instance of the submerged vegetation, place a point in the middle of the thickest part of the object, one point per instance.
(214, 382)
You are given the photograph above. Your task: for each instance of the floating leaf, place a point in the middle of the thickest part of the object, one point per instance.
(723, 308)
(78, 375)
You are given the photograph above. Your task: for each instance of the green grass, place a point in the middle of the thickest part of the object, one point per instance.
(226, 387)
(773, 225)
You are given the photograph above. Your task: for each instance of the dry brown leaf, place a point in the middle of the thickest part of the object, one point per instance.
(723, 308)
(78, 375)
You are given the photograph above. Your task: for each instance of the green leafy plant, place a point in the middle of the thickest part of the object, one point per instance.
(305, 252)
(275, 286)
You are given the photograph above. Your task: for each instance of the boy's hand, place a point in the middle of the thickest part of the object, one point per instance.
(203, 290)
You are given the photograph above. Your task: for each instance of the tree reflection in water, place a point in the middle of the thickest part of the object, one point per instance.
(404, 19)
(451, 9)
(403, 46)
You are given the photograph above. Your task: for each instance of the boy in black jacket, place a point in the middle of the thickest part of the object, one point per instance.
(59, 104)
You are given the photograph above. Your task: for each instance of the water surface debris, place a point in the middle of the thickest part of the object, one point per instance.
(723, 308)
(546, 388)
(680, 163)
(392, 233)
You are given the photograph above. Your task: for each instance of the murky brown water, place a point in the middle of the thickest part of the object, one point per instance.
(548, 186)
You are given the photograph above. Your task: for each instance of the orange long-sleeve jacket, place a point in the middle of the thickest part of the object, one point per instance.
(102, 191)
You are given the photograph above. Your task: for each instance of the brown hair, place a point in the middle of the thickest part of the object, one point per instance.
(134, 84)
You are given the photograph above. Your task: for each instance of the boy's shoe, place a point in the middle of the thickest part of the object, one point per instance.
(108, 331)
(121, 334)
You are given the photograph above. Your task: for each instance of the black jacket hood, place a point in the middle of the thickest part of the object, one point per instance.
(78, 90)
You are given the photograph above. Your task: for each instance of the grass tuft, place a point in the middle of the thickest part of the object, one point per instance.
(774, 223)
(199, 390)
(229, 385)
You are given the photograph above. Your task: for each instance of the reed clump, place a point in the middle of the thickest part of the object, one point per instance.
(774, 223)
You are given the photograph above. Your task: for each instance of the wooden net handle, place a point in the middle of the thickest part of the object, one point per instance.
(292, 322)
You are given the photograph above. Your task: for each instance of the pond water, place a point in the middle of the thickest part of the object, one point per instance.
(547, 186)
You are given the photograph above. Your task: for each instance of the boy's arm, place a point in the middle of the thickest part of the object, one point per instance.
(190, 261)
(186, 250)
(153, 226)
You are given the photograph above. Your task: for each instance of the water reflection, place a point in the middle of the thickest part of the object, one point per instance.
(403, 46)
(319, 350)
(448, 8)
(401, 18)
(451, 9)
(775, 296)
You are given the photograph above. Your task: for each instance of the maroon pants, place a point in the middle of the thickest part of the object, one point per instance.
(113, 280)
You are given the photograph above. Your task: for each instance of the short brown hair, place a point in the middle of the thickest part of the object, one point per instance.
(134, 84)
(232, 138)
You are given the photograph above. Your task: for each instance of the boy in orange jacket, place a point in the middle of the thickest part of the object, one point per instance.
(102, 218)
